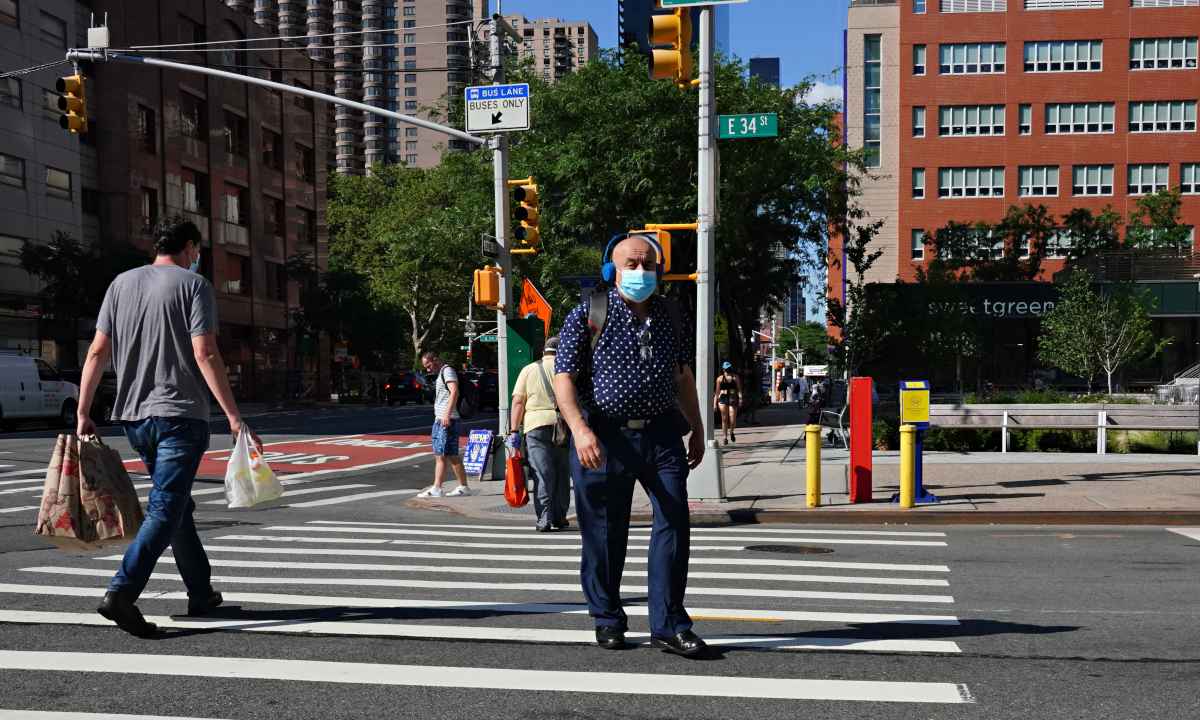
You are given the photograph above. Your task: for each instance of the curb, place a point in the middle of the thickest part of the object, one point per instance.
(940, 517)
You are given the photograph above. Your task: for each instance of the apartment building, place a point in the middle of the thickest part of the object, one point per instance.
(967, 107)
(46, 176)
(555, 47)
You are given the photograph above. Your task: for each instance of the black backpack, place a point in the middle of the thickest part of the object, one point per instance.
(467, 402)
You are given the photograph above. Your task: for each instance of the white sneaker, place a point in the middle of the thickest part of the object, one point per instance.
(460, 491)
(431, 491)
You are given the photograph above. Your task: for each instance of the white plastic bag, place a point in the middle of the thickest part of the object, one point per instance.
(249, 481)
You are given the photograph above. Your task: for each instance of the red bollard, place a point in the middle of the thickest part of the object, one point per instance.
(862, 438)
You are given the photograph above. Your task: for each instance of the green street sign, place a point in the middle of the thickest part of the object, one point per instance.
(487, 338)
(668, 4)
(736, 127)
(464, 347)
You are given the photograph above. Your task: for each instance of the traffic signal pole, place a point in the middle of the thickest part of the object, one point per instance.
(499, 145)
(707, 481)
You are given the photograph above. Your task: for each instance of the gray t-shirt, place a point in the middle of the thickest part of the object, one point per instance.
(151, 314)
(442, 400)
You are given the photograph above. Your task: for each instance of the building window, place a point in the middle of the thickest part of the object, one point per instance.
(410, 51)
(970, 120)
(410, 145)
(1092, 180)
(302, 101)
(1146, 179)
(1165, 3)
(193, 117)
(1162, 53)
(1038, 181)
(410, 64)
(1075, 118)
(273, 220)
(410, 104)
(872, 92)
(272, 149)
(963, 6)
(1064, 4)
(277, 281)
(195, 192)
(9, 14)
(147, 130)
(53, 30)
(918, 183)
(969, 182)
(306, 168)
(971, 58)
(410, 10)
(1189, 178)
(918, 59)
(10, 92)
(918, 244)
(410, 92)
(410, 159)
(410, 132)
(12, 171)
(919, 7)
(918, 119)
(1165, 116)
(149, 200)
(410, 77)
(1025, 119)
(89, 201)
(58, 183)
(235, 205)
(1064, 56)
(237, 141)
(410, 38)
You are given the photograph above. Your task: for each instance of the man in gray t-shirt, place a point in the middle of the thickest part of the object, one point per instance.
(158, 324)
(444, 433)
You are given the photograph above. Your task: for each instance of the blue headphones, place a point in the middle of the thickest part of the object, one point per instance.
(608, 270)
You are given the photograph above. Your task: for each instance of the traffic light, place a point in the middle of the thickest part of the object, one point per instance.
(72, 103)
(487, 287)
(527, 233)
(673, 62)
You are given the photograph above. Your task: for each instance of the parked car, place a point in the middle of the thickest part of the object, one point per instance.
(487, 389)
(404, 388)
(106, 394)
(31, 389)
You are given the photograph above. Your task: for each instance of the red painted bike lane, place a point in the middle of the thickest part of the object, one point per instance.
(321, 455)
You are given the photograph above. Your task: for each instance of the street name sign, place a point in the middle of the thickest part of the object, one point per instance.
(497, 108)
(487, 339)
(668, 4)
(758, 125)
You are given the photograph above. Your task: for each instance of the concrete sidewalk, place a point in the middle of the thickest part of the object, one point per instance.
(765, 482)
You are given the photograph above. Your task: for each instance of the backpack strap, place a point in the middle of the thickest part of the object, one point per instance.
(597, 314)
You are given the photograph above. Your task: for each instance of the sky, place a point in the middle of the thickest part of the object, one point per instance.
(805, 34)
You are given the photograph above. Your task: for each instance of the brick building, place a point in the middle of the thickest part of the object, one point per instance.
(967, 107)
(556, 47)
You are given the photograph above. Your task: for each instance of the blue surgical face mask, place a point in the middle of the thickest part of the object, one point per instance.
(637, 285)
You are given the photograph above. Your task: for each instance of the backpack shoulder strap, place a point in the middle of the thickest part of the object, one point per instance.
(597, 315)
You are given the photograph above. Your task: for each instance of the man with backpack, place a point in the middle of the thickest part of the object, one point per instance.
(625, 387)
(444, 433)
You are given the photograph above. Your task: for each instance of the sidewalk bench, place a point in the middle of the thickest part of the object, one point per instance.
(1098, 417)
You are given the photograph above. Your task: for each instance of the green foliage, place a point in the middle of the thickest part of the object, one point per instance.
(811, 338)
(1053, 440)
(1043, 397)
(1155, 223)
(1092, 234)
(962, 440)
(75, 276)
(967, 251)
(1069, 331)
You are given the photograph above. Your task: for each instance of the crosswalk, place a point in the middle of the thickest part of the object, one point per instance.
(500, 583)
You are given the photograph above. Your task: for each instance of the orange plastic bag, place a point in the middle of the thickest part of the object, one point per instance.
(515, 493)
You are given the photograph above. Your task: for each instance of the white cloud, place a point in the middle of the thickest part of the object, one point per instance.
(824, 92)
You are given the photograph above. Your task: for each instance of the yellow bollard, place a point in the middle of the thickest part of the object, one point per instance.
(812, 442)
(908, 465)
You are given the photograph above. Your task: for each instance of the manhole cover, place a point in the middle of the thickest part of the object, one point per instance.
(790, 549)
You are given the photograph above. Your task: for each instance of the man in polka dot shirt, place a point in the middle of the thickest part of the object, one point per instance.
(628, 403)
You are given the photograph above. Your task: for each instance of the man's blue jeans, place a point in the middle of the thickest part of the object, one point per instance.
(172, 449)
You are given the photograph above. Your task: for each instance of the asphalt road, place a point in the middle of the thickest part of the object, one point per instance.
(362, 608)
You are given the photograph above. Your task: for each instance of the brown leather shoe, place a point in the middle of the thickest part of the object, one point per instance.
(119, 609)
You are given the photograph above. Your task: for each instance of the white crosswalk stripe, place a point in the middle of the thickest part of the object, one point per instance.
(23, 508)
(511, 680)
(305, 491)
(504, 583)
(16, 473)
(1193, 533)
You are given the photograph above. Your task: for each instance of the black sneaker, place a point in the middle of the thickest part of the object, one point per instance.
(562, 525)
(119, 609)
(203, 605)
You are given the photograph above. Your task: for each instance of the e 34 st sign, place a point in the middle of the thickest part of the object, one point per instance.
(497, 108)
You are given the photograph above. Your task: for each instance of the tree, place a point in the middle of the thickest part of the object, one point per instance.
(1154, 224)
(413, 234)
(862, 318)
(75, 276)
(1091, 234)
(1090, 331)
(809, 341)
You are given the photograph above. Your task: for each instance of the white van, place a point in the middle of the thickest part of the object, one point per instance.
(31, 389)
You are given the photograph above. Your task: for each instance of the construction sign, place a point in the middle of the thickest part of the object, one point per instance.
(534, 305)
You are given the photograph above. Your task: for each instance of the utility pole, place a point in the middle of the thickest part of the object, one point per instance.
(499, 145)
(707, 480)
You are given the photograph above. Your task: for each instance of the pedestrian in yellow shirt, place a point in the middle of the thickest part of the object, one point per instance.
(534, 415)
